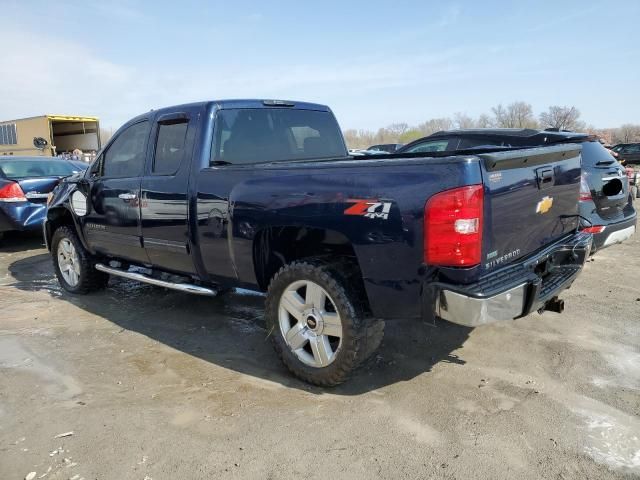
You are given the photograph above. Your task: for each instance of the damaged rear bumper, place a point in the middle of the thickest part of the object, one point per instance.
(517, 290)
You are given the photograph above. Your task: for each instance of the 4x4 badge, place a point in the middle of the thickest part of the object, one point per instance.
(369, 208)
(544, 205)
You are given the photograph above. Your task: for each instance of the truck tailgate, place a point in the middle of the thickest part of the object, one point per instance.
(531, 200)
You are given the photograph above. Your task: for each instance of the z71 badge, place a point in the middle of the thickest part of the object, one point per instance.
(369, 208)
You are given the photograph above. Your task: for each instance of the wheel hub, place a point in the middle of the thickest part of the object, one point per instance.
(313, 320)
(310, 323)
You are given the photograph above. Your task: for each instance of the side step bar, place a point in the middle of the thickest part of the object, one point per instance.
(141, 277)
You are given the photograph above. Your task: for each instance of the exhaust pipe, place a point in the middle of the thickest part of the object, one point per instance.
(554, 305)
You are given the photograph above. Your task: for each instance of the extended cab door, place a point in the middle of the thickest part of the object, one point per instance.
(164, 191)
(113, 225)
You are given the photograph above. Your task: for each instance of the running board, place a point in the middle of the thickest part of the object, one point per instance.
(140, 277)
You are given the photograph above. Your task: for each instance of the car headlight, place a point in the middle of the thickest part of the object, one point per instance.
(49, 198)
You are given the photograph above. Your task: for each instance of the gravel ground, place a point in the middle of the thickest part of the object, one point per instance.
(156, 384)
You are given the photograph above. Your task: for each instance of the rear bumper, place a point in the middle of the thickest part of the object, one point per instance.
(517, 290)
(22, 216)
(615, 233)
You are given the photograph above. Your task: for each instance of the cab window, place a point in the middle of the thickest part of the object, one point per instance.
(169, 147)
(125, 156)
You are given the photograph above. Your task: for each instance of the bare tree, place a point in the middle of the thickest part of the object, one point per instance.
(627, 133)
(462, 120)
(396, 130)
(484, 121)
(514, 115)
(435, 125)
(562, 118)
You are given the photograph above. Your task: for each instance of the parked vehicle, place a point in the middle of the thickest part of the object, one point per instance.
(263, 195)
(386, 148)
(25, 184)
(606, 201)
(49, 135)
(628, 153)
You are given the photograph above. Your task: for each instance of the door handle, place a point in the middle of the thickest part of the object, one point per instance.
(127, 196)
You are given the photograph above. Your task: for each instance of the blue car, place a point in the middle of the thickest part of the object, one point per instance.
(25, 184)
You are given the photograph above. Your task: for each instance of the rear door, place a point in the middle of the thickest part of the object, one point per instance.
(165, 185)
(606, 180)
(531, 200)
(113, 225)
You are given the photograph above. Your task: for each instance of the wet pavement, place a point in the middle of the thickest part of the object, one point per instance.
(159, 384)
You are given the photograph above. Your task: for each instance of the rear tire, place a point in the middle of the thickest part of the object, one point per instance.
(73, 265)
(317, 322)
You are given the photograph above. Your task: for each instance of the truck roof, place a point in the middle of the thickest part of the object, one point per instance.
(239, 103)
(251, 103)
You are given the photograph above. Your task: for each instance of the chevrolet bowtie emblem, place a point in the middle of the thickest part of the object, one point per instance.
(544, 205)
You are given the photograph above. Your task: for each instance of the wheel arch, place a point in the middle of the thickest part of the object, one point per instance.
(57, 217)
(276, 246)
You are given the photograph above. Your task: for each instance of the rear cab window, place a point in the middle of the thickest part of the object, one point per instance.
(257, 135)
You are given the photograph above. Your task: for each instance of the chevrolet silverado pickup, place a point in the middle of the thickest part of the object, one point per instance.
(262, 194)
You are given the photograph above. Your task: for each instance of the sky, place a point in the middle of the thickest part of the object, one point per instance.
(373, 62)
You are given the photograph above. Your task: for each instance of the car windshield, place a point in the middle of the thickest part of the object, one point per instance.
(16, 169)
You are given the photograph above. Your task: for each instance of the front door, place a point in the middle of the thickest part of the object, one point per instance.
(113, 225)
(164, 191)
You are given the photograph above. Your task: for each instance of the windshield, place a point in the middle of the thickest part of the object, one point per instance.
(272, 134)
(16, 169)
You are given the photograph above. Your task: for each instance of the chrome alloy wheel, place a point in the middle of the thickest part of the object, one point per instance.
(310, 323)
(68, 262)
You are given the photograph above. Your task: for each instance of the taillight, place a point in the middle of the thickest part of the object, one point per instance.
(585, 192)
(594, 229)
(453, 227)
(12, 193)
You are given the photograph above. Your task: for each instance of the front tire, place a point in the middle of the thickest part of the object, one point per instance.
(73, 265)
(317, 322)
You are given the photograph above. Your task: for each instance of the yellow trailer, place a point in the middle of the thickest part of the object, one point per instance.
(49, 135)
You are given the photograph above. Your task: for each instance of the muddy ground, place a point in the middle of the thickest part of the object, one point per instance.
(157, 385)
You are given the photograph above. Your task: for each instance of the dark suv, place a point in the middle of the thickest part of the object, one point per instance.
(606, 204)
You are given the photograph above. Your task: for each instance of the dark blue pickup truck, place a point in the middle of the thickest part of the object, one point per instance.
(262, 194)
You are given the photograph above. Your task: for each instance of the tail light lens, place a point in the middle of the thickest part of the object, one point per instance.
(453, 227)
(594, 229)
(585, 191)
(12, 193)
